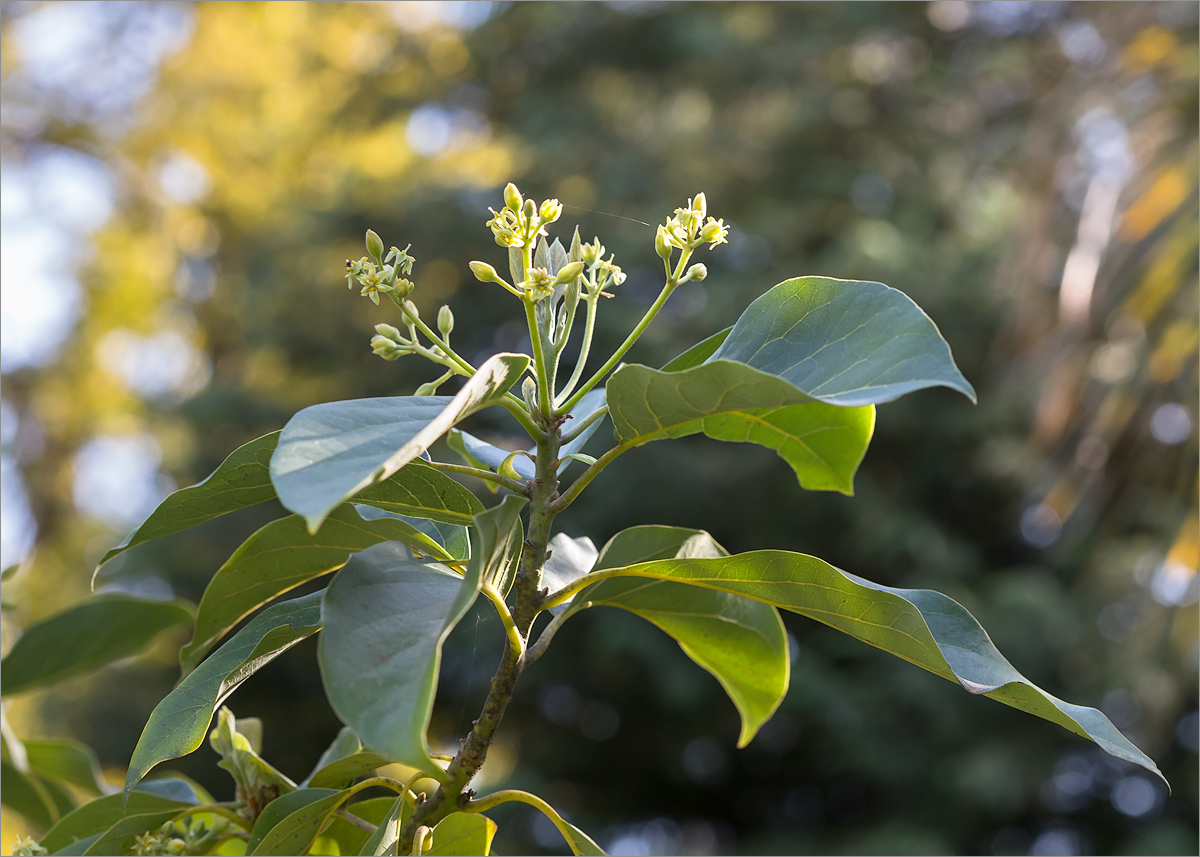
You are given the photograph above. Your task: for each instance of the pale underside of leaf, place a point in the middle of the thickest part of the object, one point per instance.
(328, 453)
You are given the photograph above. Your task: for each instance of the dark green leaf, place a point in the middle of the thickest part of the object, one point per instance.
(462, 834)
(177, 725)
(698, 353)
(419, 491)
(823, 443)
(330, 452)
(383, 840)
(921, 626)
(741, 642)
(496, 542)
(242, 480)
(281, 556)
(40, 801)
(89, 635)
(97, 816)
(386, 615)
(843, 341)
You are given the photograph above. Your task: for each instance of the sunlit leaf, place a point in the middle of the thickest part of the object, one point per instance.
(496, 543)
(419, 491)
(328, 453)
(97, 816)
(290, 823)
(462, 834)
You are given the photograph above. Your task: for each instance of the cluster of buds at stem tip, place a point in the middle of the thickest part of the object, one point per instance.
(688, 229)
(521, 220)
(390, 344)
(380, 274)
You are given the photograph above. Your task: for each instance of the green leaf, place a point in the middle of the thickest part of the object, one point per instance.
(290, 823)
(822, 443)
(496, 542)
(386, 615)
(383, 840)
(462, 834)
(741, 642)
(698, 353)
(177, 725)
(921, 626)
(343, 763)
(419, 491)
(40, 801)
(843, 341)
(478, 453)
(122, 836)
(330, 452)
(97, 816)
(89, 635)
(242, 480)
(66, 761)
(281, 556)
(569, 559)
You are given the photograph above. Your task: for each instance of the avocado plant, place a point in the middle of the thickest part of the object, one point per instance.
(409, 549)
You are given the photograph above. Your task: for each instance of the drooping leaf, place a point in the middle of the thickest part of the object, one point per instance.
(97, 816)
(462, 834)
(242, 480)
(281, 556)
(822, 443)
(843, 341)
(386, 615)
(923, 627)
(741, 642)
(496, 542)
(420, 491)
(328, 453)
(484, 455)
(177, 725)
(93, 633)
(580, 843)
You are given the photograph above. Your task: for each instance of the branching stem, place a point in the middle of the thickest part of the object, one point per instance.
(488, 476)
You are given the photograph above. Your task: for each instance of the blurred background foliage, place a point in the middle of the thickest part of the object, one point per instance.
(182, 184)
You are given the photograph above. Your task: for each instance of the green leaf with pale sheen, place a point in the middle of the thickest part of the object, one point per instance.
(342, 763)
(294, 823)
(178, 724)
(923, 627)
(462, 834)
(386, 615)
(93, 633)
(843, 341)
(420, 491)
(823, 443)
(242, 480)
(99, 815)
(698, 353)
(66, 761)
(383, 840)
(42, 802)
(328, 453)
(496, 542)
(281, 556)
(740, 641)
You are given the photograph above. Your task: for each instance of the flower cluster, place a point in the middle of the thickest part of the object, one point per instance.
(381, 274)
(688, 229)
(521, 221)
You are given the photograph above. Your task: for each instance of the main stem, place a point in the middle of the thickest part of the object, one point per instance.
(453, 794)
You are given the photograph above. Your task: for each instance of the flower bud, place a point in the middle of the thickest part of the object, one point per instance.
(662, 245)
(714, 233)
(512, 197)
(550, 211)
(374, 244)
(445, 320)
(591, 253)
(700, 205)
(389, 332)
(403, 288)
(569, 273)
(695, 274)
(508, 239)
(485, 273)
